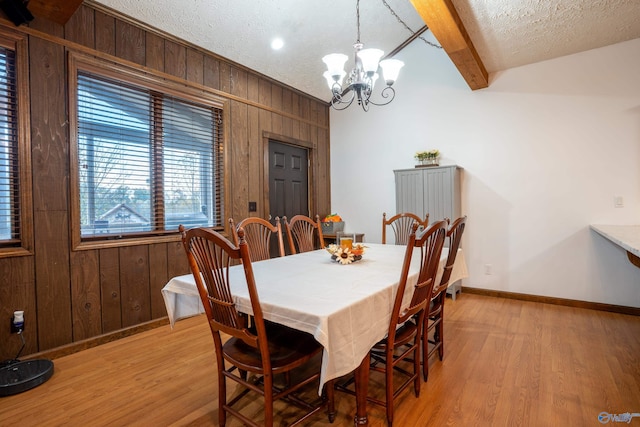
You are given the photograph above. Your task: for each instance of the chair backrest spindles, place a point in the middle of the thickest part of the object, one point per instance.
(302, 232)
(401, 225)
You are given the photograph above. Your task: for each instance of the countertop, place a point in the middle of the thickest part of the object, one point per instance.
(626, 236)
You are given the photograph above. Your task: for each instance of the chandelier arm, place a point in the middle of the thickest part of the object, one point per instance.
(338, 103)
(387, 92)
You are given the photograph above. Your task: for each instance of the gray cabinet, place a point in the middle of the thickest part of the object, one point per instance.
(434, 190)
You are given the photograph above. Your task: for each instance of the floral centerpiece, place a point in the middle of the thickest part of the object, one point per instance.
(345, 255)
(428, 158)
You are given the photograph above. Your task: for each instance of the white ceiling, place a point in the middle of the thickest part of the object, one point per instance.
(505, 33)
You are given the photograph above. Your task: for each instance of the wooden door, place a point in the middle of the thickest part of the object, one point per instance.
(288, 180)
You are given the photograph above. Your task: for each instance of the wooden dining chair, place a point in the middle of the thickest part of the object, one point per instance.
(259, 234)
(303, 232)
(263, 350)
(401, 225)
(434, 321)
(399, 351)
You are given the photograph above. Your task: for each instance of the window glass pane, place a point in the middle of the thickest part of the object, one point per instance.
(9, 183)
(114, 158)
(188, 164)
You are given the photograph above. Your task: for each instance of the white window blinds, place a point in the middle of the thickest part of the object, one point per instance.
(9, 168)
(147, 161)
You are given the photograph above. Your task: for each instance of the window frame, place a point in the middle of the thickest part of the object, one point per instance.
(150, 80)
(23, 246)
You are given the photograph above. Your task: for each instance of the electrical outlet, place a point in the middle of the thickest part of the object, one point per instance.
(618, 202)
(488, 269)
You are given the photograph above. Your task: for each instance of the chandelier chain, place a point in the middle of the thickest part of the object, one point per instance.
(401, 22)
(358, 20)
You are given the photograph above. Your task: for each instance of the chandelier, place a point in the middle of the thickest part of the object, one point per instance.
(362, 78)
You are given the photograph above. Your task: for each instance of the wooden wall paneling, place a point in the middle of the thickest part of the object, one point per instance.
(46, 26)
(17, 292)
(175, 59)
(105, 31)
(80, 27)
(287, 122)
(110, 289)
(241, 165)
(256, 160)
(134, 285)
(158, 277)
(211, 72)
(276, 104)
(225, 77)
(130, 42)
(264, 97)
(304, 114)
(154, 47)
(239, 83)
(53, 281)
(50, 166)
(195, 66)
(177, 264)
(85, 294)
(323, 180)
(295, 109)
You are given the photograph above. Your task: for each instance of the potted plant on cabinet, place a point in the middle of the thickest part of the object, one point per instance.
(427, 158)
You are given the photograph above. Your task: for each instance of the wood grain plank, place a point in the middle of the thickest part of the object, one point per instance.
(85, 295)
(211, 72)
(177, 264)
(110, 289)
(105, 33)
(240, 154)
(175, 59)
(195, 66)
(79, 28)
(50, 166)
(154, 46)
(53, 281)
(130, 42)
(256, 155)
(158, 277)
(134, 285)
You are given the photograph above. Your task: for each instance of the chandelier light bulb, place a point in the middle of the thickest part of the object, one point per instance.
(335, 63)
(370, 58)
(390, 70)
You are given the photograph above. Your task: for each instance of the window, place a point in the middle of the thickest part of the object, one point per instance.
(9, 180)
(147, 160)
(15, 163)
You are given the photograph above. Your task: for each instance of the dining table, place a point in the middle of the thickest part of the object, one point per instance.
(347, 308)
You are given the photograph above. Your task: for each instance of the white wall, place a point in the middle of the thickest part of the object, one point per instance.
(544, 149)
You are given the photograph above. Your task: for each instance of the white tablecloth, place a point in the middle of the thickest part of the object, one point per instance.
(347, 308)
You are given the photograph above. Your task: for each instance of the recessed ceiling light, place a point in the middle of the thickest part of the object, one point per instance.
(277, 43)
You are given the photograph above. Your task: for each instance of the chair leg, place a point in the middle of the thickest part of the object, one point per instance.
(425, 349)
(389, 386)
(416, 367)
(329, 388)
(440, 332)
(268, 400)
(222, 399)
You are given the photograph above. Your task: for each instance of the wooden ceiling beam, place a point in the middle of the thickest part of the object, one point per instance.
(58, 11)
(445, 24)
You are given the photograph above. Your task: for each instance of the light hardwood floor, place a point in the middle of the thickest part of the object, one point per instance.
(507, 362)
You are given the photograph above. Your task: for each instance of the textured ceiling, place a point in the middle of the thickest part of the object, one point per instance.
(505, 33)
